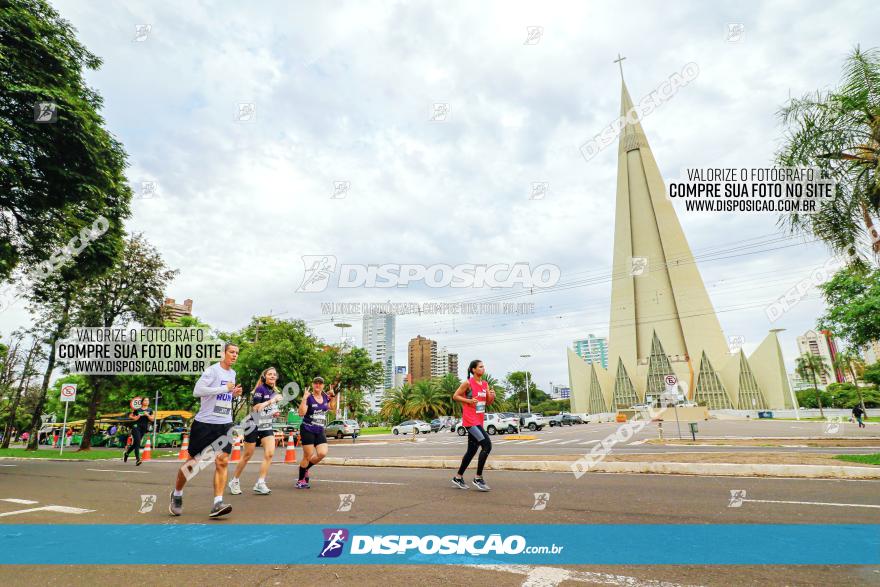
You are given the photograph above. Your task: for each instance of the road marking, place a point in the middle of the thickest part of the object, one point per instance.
(844, 505)
(549, 441)
(590, 442)
(8, 465)
(49, 508)
(551, 576)
(570, 441)
(116, 471)
(21, 501)
(521, 441)
(361, 482)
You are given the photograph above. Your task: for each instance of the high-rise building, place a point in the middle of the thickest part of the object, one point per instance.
(378, 340)
(822, 344)
(452, 363)
(662, 320)
(422, 358)
(173, 311)
(593, 349)
(560, 392)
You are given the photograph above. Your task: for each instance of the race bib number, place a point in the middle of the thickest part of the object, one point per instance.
(319, 419)
(481, 407)
(264, 421)
(223, 404)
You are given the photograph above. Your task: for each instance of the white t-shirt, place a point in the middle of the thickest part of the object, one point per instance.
(216, 399)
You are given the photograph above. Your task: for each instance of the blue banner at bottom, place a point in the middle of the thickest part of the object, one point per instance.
(568, 544)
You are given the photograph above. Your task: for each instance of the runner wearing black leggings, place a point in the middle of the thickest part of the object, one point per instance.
(474, 395)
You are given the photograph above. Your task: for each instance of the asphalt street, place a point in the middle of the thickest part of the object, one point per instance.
(111, 493)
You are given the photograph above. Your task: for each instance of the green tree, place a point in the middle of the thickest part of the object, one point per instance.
(447, 385)
(395, 405)
(847, 361)
(852, 301)
(58, 177)
(838, 131)
(426, 401)
(811, 366)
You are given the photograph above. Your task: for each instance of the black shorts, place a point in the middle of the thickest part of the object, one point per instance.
(307, 437)
(256, 436)
(202, 435)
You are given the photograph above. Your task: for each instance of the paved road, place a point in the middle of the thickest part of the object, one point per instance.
(113, 492)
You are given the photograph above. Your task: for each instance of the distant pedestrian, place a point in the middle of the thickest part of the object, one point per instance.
(142, 417)
(858, 413)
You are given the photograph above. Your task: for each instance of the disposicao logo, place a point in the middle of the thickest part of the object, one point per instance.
(334, 541)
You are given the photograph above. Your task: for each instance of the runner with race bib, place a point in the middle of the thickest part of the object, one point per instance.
(313, 408)
(215, 390)
(264, 402)
(474, 395)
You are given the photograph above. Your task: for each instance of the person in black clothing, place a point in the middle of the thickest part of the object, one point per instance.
(142, 418)
(858, 413)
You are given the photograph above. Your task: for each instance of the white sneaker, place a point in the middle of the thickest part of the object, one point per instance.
(235, 487)
(262, 488)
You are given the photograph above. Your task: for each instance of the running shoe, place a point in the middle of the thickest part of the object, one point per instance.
(220, 509)
(175, 508)
(137, 463)
(235, 487)
(458, 482)
(480, 484)
(302, 484)
(125, 457)
(261, 488)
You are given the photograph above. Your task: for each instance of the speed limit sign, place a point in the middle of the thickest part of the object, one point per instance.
(68, 392)
(135, 403)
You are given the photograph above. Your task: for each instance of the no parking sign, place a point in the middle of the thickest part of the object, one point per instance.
(68, 392)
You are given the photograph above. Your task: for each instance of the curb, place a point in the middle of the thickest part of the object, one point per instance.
(710, 469)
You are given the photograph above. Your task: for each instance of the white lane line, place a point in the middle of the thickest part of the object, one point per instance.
(360, 482)
(522, 441)
(590, 442)
(116, 471)
(843, 505)
(548, 441)
(21, 501)
(49, 508)
(8, 465)
(551, 576)
(570, 441)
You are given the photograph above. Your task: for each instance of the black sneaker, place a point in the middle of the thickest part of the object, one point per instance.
(480, 484)
(175, 508)
(220, 509)
(125, 457)
(137, 463)
(459, 482)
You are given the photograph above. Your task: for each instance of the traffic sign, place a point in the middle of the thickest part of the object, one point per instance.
(135, 403)
(670, 380)
(68, 392)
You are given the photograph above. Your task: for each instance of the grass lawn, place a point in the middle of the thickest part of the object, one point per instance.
(873, 459)
(73, 453)
(375, 430)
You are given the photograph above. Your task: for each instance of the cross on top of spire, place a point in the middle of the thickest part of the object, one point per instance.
(619, 61)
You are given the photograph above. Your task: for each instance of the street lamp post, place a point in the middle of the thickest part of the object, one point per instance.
(341, 326)
(528, 399)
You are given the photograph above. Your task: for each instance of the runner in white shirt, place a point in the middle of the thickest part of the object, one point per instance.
(215, 388)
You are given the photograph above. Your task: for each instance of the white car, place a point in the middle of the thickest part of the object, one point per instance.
(412, 427)
(532, 421)
(494, 424)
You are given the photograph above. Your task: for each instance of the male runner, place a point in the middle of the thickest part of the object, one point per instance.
(212, 427)
(142, 418)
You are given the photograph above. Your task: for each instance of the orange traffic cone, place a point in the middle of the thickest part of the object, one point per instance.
(290, 450)
(146, 455)
(236, 451)
(183, 455)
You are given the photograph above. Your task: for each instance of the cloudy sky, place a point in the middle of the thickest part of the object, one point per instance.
(347, 92)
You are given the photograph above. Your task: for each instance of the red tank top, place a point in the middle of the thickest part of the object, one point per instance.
(473, 415)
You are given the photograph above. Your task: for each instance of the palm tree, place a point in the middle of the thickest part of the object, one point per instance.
(838, 131)
(427, 400)
(447, 386)
(394, 406)
(809, 365)
(848, 361)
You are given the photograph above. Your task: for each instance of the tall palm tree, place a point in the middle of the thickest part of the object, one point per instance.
(838, 131)
(447, 386)
(427, 400)
(848, 361)
(810, 365)
(394, 406)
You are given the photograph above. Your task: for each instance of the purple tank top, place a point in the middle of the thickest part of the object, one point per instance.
(316, 413)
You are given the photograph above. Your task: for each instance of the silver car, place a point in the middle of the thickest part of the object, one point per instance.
(412, 427)
(342, 428)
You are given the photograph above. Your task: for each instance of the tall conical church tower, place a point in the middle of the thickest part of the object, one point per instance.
(662, 320)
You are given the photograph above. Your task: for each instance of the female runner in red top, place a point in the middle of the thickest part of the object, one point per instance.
(474, 395)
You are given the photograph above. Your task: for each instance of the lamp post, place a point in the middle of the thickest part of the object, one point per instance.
(341, 326)
(528, 400)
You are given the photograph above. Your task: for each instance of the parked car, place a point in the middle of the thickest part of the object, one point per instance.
(494, 424)
(560, 420)
(438, 424)
(342, 428)
(412, 427)
(532, 421)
